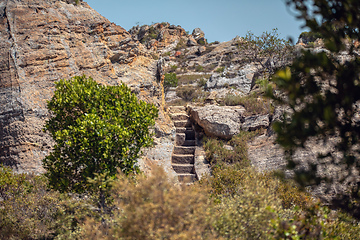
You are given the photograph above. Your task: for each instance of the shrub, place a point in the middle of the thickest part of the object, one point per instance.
(216, 153)
(252, 103)
(173, 68)
(153, 208)
(170, 80)
(167, 54)
(188, 93)
(97, 129)
(29, 210)
(220, 69)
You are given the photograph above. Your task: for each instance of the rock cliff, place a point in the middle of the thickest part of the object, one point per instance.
(42, 41)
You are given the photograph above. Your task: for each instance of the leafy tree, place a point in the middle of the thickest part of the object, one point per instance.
(97, 130)
(322, 90)
(268, 50)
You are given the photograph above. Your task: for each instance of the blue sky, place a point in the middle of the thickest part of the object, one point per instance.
(220, 20)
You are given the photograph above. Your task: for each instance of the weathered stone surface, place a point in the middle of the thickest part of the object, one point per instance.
(158, 36)
(252, 123)
(198, 34)
(220, 121)
(242, 79)
(191, 42)
(46, 40)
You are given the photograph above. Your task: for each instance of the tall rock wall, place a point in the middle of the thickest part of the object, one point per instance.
(42, 41)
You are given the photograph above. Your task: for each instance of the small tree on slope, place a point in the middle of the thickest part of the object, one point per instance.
(97, 130)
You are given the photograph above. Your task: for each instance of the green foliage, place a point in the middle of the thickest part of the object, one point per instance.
(173, 68)
(97, 129)
(220, 69)
(28, 210)
(167, 54)
(321, 91)
(151, 34)
(186, 79)
(170, 80)
(269, 50)
(236, 152)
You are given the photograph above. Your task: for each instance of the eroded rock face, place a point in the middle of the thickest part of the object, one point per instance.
(219, 121)
(242, 79)
(43, 41)
(158, 36)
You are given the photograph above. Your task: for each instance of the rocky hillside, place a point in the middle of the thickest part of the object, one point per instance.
(46, 40)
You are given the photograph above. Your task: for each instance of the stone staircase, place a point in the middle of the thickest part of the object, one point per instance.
(183, 156)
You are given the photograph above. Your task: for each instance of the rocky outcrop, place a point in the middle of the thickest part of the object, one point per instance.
(242, 79)
(218, 121)
(158, 36)
(46, 40)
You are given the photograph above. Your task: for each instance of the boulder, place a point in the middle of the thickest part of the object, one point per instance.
(191, 42)
(242, 79)
(198, 34)
(218, 121)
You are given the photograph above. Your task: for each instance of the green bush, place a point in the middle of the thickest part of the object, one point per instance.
(29, 210)
(170, 80)
(220, 69)
(173, 68)
(216, 153)
(97, 129)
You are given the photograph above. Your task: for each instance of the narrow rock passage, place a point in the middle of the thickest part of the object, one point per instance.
(184, 151)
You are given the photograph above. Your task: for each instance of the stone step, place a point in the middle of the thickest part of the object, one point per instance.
(184, 150)
(182, 129)
(179, 117)
(183, 168)
(187, 178)
(183, 159)
(175, 109)
(183, 123)
(188, 143)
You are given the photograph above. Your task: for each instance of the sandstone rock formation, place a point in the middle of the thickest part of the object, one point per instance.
(46, 40)
(158, 36)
